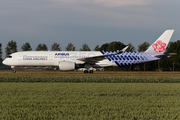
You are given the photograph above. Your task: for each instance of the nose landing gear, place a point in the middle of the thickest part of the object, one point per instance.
(13, 69)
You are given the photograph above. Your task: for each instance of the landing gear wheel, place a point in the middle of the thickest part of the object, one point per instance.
(85, 71)
(14, 71)
(91, 71)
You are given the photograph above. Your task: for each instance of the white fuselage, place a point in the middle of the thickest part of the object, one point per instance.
(52, 58)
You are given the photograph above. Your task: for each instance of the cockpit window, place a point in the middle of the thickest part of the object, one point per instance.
(9, 56)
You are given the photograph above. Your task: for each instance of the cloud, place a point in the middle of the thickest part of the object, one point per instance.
(107, 3)
(108, 13)
(116, 3)
(103, 13)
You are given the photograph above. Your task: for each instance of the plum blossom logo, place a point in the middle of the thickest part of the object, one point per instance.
(159, 46)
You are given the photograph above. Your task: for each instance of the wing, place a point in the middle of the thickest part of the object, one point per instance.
(95, 59)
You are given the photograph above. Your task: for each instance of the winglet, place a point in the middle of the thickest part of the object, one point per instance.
(124, 49)
(118, 52)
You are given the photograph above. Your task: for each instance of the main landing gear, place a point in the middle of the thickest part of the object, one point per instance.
(88, 68)
(86, 71)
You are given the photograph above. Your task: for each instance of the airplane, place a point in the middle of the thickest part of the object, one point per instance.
(71, 60)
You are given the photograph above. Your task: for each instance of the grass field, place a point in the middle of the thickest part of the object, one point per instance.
(102, 95)
(89, 101)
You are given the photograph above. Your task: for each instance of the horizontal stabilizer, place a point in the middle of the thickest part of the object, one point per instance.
(165, 55)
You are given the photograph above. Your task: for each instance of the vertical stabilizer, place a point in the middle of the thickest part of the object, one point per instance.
(161, 43)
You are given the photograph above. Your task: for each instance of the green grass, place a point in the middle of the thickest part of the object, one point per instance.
(89, 101)
(90, 79)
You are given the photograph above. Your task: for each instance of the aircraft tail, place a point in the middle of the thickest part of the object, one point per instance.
(161, 43)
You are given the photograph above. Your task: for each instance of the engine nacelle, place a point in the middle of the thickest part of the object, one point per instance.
(66, 65)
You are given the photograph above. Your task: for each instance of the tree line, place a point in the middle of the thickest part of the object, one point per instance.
(171, 63)
(113, 46)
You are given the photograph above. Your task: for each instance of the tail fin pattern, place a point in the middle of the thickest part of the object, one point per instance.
(161, 43)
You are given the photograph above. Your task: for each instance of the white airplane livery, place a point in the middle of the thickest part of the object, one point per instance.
(71, 60)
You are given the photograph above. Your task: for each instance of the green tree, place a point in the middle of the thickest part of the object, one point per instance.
(56, 47)
(11, 47)
(113, 46)
(143, 47)
(0, 52)
(104, 47)
(26, 47)
(70, 47)
(131, 47)
(172, 63)
(96, 48)
(85, 47)
(173, 47)
(42, 47)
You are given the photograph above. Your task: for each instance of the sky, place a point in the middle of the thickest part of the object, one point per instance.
(92, 22)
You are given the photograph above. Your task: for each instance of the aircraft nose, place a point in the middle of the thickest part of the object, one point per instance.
(4, 62)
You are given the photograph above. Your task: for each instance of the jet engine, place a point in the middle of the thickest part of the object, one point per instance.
(66, 65)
